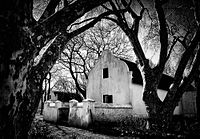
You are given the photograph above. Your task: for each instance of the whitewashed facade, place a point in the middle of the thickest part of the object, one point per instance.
(111, 81)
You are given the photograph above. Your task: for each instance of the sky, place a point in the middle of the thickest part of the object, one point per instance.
(151, 49)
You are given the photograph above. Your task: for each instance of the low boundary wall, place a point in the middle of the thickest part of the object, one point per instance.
(88, 113)
(80, 114)
(51, 112)
(115, 114)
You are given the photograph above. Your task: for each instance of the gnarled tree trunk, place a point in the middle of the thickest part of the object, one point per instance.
(150, 97)
(20, 80)
(159, 117)
(19, 90)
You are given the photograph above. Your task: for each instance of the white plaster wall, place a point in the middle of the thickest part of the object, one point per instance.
(113, 113)
(94, 83)
(117, 84)
(51, 112)
(138, 104)
(136, 100)
(80, 114)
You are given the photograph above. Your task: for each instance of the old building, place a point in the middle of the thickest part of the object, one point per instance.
(114, 96)
(119, 82)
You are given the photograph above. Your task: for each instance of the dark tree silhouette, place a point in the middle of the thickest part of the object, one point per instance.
(21, 39)
(161, 112)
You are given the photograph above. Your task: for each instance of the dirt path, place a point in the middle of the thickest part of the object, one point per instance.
(42, 129)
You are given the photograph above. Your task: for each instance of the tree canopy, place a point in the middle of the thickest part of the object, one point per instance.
(24, 37)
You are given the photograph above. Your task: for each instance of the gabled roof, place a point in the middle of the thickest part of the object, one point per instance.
(165, 81)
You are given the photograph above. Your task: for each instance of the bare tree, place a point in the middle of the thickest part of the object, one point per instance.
(82, 52)
(22, 38)
(107, 35)
(63, 84)
(160, 112)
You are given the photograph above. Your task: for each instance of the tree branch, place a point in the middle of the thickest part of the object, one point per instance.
(172, 46)
(59, 21)
(86, 20)
(188, 80)
(197, 11)
(50, 9)
(106, 7)
(163, 34)
(52, 52)
(185, 58)
(91, 24)
(84, 64)
(83, 92)
(183, 42)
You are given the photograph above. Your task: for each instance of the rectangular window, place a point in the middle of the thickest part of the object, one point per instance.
(107, 99)
(52, 104)
(105, 73)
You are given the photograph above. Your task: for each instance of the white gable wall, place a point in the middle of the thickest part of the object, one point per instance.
(117, 83)
(136, 99)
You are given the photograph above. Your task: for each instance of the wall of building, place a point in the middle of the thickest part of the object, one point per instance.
(138, 104)
(90, 112)
(188, 103)
(80, 114)
(51, 110)
(117, 83)
(136, 99)
(114, 114)
(73, 113)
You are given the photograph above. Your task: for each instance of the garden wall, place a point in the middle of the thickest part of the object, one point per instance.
(113, 114)
(51, 110)
(80, 114)
(89, 113)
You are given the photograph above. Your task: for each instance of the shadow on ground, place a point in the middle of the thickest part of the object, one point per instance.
(183, 129)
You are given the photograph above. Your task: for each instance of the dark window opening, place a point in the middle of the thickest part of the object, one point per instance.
(105, 73)
(107, 99)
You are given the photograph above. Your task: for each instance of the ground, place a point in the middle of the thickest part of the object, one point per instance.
(42, 129)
